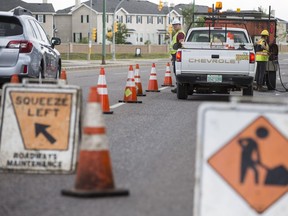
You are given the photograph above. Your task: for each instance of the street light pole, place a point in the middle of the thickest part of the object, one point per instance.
(103, 33)
(113, 30)
(193, 13)
(90, 32)
(169, 20)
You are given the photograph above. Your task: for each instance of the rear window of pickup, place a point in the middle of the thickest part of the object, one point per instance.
(219, 36)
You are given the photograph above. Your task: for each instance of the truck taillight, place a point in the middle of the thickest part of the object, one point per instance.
(24, 46)
(252, 58)
(179, 56)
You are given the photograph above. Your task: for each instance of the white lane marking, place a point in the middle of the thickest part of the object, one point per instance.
(164, 88)
(116, 105)
(120, 104)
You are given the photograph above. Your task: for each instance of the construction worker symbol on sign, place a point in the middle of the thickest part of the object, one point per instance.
(255, 164)
(251, 159)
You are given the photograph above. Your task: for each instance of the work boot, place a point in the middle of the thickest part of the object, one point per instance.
(174, 90)
(262, 88)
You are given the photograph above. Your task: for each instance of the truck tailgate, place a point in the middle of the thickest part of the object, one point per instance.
(209, 61)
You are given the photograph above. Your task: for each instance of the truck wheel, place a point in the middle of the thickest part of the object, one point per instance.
(247, 91)
(182, 91)
(271, 80)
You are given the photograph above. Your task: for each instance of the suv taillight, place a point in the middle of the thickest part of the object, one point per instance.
(252, 58)
(179, 56)
(24, 46)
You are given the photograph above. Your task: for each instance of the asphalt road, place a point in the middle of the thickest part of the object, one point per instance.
(152, 147)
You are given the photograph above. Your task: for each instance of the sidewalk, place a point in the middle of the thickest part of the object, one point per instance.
(96, 64)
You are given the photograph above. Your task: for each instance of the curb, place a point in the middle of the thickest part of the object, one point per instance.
(98, 65)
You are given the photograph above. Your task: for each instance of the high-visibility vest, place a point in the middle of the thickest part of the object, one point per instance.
(262, 55)
(174, 41)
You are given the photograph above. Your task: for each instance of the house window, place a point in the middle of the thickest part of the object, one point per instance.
(159, 20)
(84, 18)
(128, 19)
(138, 19)
(41, 18)
(149, 19)
(120, 19)
(77, 37)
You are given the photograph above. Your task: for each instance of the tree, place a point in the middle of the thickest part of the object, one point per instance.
(120, 35)
(188, 13)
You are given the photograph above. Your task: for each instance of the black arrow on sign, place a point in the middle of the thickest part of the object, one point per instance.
(41, 128)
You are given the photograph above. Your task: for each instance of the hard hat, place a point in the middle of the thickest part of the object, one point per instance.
(265, 33)
(176, 22)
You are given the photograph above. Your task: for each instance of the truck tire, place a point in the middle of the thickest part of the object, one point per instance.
(271, 80)
(182, 91)
(247, 91)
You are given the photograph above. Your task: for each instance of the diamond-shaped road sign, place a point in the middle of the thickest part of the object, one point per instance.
(39, 128)
(242, 160)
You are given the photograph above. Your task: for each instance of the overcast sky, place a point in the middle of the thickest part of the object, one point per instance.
(280, 6)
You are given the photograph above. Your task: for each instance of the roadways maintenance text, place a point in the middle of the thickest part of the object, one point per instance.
(21, 159)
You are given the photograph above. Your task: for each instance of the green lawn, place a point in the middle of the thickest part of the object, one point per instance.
(82, 56)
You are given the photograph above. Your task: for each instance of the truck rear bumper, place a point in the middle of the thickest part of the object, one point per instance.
(227, 80)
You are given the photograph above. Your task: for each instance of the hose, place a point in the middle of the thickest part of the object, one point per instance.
(275, 63)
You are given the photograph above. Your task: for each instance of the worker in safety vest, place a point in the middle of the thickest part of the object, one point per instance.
(176, 43)
(262, 57)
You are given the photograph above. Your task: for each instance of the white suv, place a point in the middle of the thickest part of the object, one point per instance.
(25, 49)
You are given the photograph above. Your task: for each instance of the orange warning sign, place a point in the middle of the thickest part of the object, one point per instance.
(255, 164)
(43, 119)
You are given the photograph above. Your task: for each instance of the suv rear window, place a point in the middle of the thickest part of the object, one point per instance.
(10, 26)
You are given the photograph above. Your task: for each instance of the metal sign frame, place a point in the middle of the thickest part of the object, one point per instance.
(15, 156)
(218, 124)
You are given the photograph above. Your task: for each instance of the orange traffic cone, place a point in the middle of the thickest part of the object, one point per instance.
(63, 75)
(230, 41)
(130, 94)
(94, 177)
(153, 83)
(14, 79)
(103, 92)
(138, 81)
(168, 77)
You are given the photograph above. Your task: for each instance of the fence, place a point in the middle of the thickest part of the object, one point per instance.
(125, 48)
(119, 48)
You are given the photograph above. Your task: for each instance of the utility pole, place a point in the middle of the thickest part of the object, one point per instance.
(113, 30)
(103, 33)
(90, 32)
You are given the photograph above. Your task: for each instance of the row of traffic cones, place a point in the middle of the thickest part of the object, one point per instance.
(63, 76)
(94, 175)
(133, 87)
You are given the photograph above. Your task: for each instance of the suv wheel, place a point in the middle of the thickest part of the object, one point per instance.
(247, 91)
(182, 91)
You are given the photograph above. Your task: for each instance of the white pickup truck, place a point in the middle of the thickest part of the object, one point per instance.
(215, 60)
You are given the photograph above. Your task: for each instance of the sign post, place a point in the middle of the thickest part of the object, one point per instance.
(39, 128)
(242, 163)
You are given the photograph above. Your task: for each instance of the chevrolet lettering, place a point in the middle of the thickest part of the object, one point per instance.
(213, 61)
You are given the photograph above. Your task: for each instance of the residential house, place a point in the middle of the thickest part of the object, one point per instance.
(145, 23)
(43, 12)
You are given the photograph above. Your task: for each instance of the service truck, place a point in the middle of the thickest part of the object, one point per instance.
(215, 60)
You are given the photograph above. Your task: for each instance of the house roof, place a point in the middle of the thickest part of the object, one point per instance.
(133, 7)
(33, 7)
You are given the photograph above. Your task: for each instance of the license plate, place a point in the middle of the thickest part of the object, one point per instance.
(214, 78)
